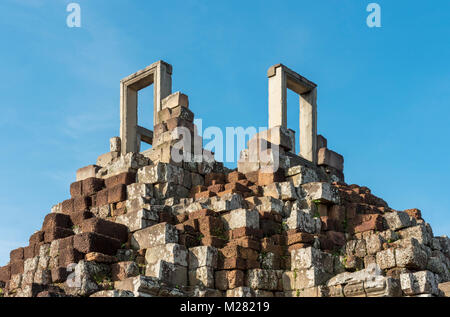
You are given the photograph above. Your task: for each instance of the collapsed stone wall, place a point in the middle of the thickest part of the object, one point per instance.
(141, 224)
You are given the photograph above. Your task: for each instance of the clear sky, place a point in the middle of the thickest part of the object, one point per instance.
(383, 93)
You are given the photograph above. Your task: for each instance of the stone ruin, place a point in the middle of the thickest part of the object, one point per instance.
(144, 224)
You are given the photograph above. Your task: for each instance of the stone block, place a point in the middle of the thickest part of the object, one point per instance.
(303, 221)
(139, 284)
(324, 193)
(56, 220)
(56, 233)
(175, 100)
(278, 135)
(423, 282)
(330, 158)
(410, 254)
(227, 202)
(169, 273)
(139, 190)
(91, 185)
(37, 237)
(107, 228)
(107, 158)
(203, 256)
(202, 276)
(240, 218)
(59, 274)
(87, 172)
(170, 252)
(159, 234)
(266, 178)
(386, 259)
(5, 273)
(300, 175)
(125, 178)
(117, 194)
(397, 220)
(306, 258)
(138, 220)
(283, 190)
(418, 232)
(92, 242)
(16, 254)
(123, 270)
(264, 279)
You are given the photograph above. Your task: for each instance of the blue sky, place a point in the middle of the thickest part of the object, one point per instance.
(383, 93)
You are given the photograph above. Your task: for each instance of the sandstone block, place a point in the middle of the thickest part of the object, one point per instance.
(423, 282)
(139, 284)
(106, 228)
(264, 279)
(87, 172)
(139, 190)
(320, 192)
(138, 220)
(159, 234)
(203, 256)
(397, 220)
(171, 252)
(306, 258)
(241, 218)
(330, 158)
(202, 276)
(123, 270)
(92, 242)
(304, 221)
(169, 273)
(386, 259)
(175, 100)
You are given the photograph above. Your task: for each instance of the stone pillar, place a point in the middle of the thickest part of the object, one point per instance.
(277, 97)
(308, 125)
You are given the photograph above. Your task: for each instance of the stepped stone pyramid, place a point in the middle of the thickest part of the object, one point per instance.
(151, 224)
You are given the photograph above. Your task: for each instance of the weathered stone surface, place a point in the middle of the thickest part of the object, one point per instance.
(139, 284)
(138, 220)
(330, 158)
(203, 256)
(300, 175)
(169, 273)
(123, 270)
(138, 190)
(386, 259)
(418, 232)
(306, 258)
(169, 252)
(304, 221)
(241, 218)
(202, 276)
(227, 202)
(283, 190)
(397, 220)
(84, 277)
(320, 192)
(423, 282)
(409, 254)
(264, 279)
(158, 234)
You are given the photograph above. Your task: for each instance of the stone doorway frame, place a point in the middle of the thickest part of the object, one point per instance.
(282, 78)
(131, 134)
